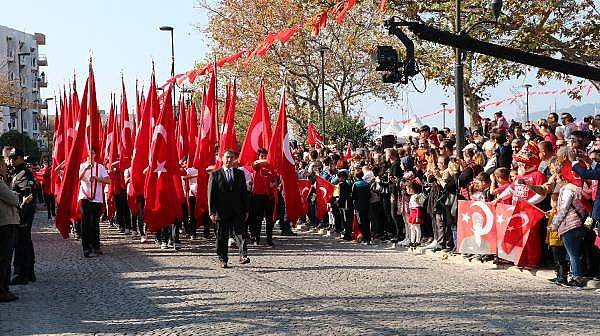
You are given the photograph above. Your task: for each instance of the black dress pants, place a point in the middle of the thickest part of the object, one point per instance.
(7, 239)
(122, 212)
(50, 205)
(24, 259)
(262, 207)
(365, 225)
(227, 228)
(90, 225)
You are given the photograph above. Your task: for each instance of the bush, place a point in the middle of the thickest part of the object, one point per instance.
(13, 139)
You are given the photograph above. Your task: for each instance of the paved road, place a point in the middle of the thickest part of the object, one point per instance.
(305, 285)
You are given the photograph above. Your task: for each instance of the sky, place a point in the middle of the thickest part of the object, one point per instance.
(123, 37)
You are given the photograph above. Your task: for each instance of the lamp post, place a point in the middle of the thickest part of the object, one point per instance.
(48, 126)
(444, 114)
(171, 29)
(21, 99)
(527, 86)
(322, 50)
(380, 120)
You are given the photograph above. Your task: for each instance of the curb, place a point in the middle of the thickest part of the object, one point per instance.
(544, 274)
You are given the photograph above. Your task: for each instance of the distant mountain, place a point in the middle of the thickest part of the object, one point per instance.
(577, 111)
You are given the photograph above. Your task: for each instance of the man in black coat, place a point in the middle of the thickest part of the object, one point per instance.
(22, 183)
(228, 207)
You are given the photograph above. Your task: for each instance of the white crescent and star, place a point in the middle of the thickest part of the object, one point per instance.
(489, 218)
(255, 135)
(159, 129)
(160, 167)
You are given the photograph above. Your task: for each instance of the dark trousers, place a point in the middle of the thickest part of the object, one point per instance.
(189, 216)
(376, 216)
(227, 228)
(441, 230)
(7, 240)
(123, 215)
(50, 205)
(138, 220)
(262, 207)
(398, 223)
(573, 241)
(338, 221)
(365, 226)
(24, 259)
(561, 266)
(284, 222)
(347, 218)
(90, 225)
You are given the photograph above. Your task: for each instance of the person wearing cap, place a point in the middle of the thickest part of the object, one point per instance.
(91, 177)
(22, 183)
(528, 161)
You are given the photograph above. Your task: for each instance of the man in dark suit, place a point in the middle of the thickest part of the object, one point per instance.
(228, 207)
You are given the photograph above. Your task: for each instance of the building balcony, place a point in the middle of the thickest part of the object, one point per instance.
(40, 38)
(42, 60)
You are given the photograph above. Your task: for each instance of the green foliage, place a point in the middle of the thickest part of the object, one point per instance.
(346, 128)
(14, 139)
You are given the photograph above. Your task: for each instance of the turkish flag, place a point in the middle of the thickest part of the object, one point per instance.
(94, 130)
(521, 242)
(205, 153)
(126, 136)
(313, 137)
(259, 132)
(324, 194)
(66, 201)
(342, 14)
(319, 22)
(58, 151)
(193, 131)
(280, 158)
(476, 230)
(266, 45)
(304, 187)
(182, 130)
(161, 208)
(356, 234)
(116, 175)
(141, 148)
(285, 35)
(228, 137)
(108, 130)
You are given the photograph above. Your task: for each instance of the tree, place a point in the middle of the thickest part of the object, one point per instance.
(345, 128)
(349, 69)
(14, 139)
(565, 29)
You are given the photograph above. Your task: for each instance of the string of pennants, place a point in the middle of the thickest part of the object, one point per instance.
(316, 24)
(583, 89)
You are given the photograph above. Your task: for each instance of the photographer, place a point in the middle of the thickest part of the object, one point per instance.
(22, 183)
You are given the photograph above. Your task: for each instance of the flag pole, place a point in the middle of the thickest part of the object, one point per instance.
(216, 96)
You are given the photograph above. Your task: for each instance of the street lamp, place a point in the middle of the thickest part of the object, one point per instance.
(444, 114)
(171, 29)
(322, 50)
(48, 126)
(380, 120)
(527, 86)
(21, 99)
(459, 87)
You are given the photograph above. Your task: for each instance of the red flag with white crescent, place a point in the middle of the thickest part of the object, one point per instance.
(313, 137)
(521, 242)
(304, 187)
(324, 194)
(280, 158)
(259, 131)
(126, 136)
(161, 208)
(205, 154)
(476, 230)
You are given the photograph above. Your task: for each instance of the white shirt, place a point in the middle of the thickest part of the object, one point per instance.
(193, 182)
(85, 186)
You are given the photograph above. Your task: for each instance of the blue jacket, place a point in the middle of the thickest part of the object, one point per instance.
(590, 174)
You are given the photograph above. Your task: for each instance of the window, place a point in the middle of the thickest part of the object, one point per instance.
(25, 126)
(35, 125)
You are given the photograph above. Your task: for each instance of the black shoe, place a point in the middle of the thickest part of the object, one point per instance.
(98, 252)
(270, 243)
(575, 284)
(86, 254)
(244, 260)
(19, 280)
(8, 297)
(223, 264)
(288, 233)
(32, 277)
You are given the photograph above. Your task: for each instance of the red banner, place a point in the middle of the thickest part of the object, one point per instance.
(476, 230)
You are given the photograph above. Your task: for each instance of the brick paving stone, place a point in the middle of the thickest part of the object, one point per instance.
(305, 285)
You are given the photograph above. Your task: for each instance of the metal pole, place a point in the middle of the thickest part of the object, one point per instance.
(444, 115)
(21, 104)
(322, 50)
(458, 93)
(173, 68)
(380, 119)
(527, 86)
